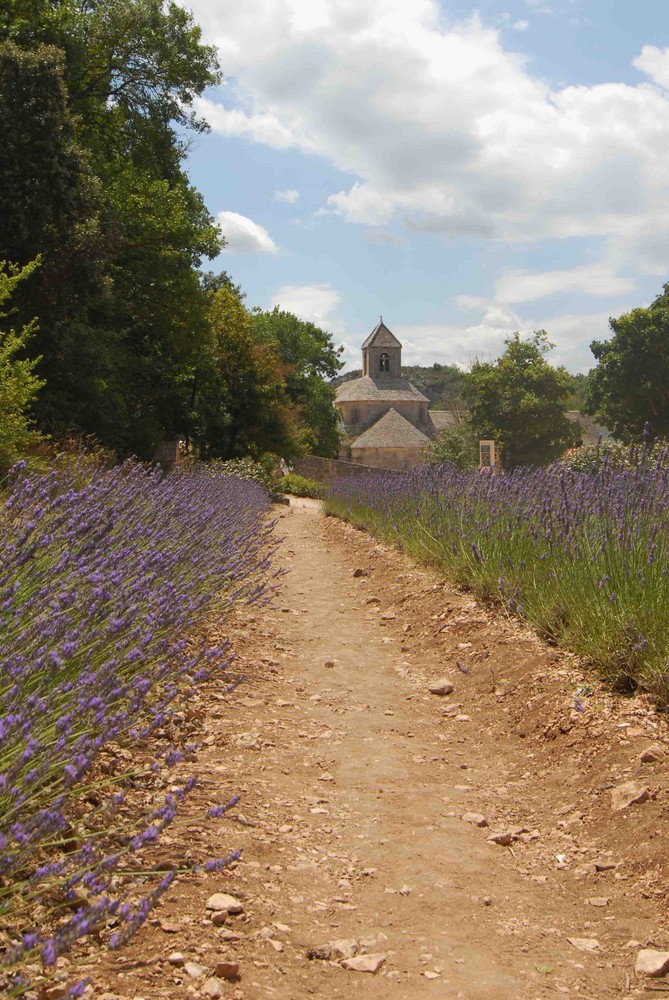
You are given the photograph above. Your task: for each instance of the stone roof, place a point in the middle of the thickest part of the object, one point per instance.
(443, 419)
(381, 337)
(392, 431)
(384, 388)
(592, 432)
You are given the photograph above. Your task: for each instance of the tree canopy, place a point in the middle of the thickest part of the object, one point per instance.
(519, 401)
(629, 387)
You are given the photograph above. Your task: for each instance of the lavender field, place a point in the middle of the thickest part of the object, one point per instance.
(583, 556)
(105, 575)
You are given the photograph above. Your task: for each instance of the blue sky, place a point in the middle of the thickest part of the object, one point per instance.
(466, 171)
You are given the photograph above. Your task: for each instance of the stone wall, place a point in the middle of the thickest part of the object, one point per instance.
(329, 470)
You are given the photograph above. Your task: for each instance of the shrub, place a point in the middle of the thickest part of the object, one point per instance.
(300, 486)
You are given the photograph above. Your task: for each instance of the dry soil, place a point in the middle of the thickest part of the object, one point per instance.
(356, 785)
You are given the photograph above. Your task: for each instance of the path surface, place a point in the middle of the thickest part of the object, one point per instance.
(354, 781)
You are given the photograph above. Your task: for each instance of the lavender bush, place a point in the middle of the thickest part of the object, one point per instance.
(104, 575)
(584, 556)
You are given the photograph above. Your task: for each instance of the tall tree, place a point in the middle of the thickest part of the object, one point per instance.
(18, 383)
(309, 357)
(630, 384)
(519, 401)
(122, 316)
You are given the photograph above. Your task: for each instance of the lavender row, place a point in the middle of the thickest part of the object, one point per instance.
(104, 578)
(584, 556)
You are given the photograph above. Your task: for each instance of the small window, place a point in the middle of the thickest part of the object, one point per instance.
(384, 363)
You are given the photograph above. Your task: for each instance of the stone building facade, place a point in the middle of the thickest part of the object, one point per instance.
(385, 419)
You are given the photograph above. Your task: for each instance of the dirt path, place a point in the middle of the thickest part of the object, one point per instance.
(355, 780)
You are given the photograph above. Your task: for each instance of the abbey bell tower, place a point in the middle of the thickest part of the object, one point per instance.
(382, 354)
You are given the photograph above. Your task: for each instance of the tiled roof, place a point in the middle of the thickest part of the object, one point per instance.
(383, 388)
(392, 431)
(591, 432)
(381, 337)
(443, 419)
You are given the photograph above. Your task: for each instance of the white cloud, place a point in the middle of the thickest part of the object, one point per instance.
(524, 286)
(313, 303)
(654, 63)
(441, 128)
(521, 25)
(290, 197)
(243, 235)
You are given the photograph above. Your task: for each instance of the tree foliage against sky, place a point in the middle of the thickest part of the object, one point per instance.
(630, 385)
(519, 401)
(95, 99)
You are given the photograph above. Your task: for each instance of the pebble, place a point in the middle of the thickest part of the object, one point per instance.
(584, 944)
(222, 901)
(364, 963)
(652, 754)
(503, 839)
(227, 970)
(628, 794)
(176, 958)
(194, 969)
(360, 572)
(344, 948)
(476, 818)
(442, 687)
(212, 987)
(330, 663)
(652, 963)
(598, 901)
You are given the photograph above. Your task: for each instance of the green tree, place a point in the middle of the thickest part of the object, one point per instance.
(122, 318)
(456, 444)
(519, 401)
(239, 397)
(630, 384)
(18, 383)
(309, 357)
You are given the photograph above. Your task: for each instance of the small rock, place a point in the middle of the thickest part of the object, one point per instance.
(194, 969)
(605, 866)
(219, 918)
(598, 901)
(476, 818)
(222, 901)
(176, 958)
(431, 975)
(169, 926)
(330, 663)
(442, 687)
(212, 987)
(344, 948)
(227, 970)
(628, 794)
(229, 936)
(652, 963)
(651, 754)
(388, 616)
(503, 839)
(282, 703)
(585, 944)
(360, 572)
(323, 953)
(364, 963)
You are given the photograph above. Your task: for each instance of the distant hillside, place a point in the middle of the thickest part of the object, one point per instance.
(440, 383)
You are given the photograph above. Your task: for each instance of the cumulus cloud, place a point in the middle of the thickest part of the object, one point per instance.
(313, 303)
(654, 63)
(524, 286)
(443, 130)
(243, 235)
(290, 197)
